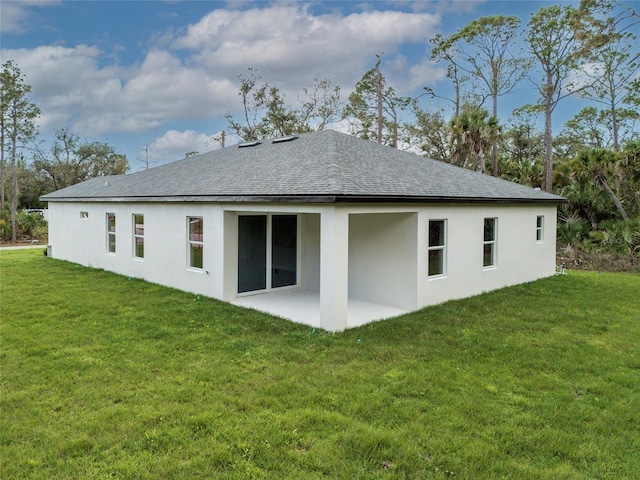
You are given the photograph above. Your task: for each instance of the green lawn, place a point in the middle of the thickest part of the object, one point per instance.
(103, 376)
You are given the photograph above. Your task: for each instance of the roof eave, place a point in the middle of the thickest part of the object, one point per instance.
(309, 199)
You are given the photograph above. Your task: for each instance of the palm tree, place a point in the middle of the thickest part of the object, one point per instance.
(598, 164)
(477, 132)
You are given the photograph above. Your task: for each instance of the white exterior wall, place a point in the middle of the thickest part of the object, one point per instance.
(520, 257)
(383, 258)
(84, 241)
(376, 253)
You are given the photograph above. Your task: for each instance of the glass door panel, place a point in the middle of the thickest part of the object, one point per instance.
(284, 243)
(252, 253)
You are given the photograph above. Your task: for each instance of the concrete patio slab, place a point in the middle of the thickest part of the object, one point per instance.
(303, 306)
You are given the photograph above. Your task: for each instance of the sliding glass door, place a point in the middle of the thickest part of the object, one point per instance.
(267, 244)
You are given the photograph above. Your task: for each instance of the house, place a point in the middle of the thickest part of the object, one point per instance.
(323, 228)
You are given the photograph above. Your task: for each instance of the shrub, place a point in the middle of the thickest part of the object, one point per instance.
(614, 246)
(29, 224)
(5, 228)
(572, 230)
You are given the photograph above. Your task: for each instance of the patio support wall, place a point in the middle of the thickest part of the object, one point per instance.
(229, 251)
(334, 268)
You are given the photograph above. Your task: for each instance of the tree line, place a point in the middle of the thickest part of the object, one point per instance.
(588, 52)
(27, 170)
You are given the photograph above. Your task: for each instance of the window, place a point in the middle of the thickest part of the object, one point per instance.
(540, 228)
(111, 232)
(436, 256)
(84, 214)
(489, 242)
(195, 242)
(138, 236)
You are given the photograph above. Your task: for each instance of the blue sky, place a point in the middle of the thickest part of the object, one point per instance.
(162, 74)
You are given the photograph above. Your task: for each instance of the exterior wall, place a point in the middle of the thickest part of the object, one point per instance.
(84, 241)
(376, 253)
(383, 258)
(310, 244)
(520, 257)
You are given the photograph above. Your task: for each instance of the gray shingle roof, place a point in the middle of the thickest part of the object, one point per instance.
(324, 166)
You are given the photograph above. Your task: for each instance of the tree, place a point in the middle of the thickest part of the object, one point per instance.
(445, 51)
(379, 86)
(18, 127)
(628, 176)
(33, 184)
(374, 108)
(605, 17)
(609, 75)
(551, 39)
(477, 132)
(523, 147)
(321, 104)
(266, 113)
(524, 142)
(587, 129)
(596, 165)
(487, 57)
(430, 133)
(71, 161)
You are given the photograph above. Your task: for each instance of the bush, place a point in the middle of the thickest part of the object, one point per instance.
(614, 246)
(29, 224)
(572, 230)
(5, 228)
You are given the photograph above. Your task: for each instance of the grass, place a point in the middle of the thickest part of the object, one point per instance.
(103, 376)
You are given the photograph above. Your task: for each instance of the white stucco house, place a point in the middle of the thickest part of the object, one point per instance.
(323, 228)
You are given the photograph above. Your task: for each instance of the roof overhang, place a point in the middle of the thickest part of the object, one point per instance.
(307, 199)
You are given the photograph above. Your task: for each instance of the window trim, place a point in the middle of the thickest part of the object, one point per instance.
(492, 242)
(111, 234)
(192, 243)
(540, 229)
(442, 248)
(137, 236)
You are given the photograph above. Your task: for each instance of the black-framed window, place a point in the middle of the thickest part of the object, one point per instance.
(111, 232)
(489, 242)
(540, 228)
(138, 235)
(195, 242)
(437, 247)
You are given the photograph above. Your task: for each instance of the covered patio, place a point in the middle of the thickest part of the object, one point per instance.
(345, 265)
(303, 306)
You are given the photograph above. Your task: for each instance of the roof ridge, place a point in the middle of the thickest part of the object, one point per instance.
(334, 175)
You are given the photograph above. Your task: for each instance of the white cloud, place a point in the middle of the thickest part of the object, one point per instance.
(406, 76)
(65, 82)
(16, 15)
(85, 89)
(295, 47)
(70, 83)
(173, 145)
(162, 88)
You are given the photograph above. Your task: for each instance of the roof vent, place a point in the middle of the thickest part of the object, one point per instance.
(284, 139)
(248, 144)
